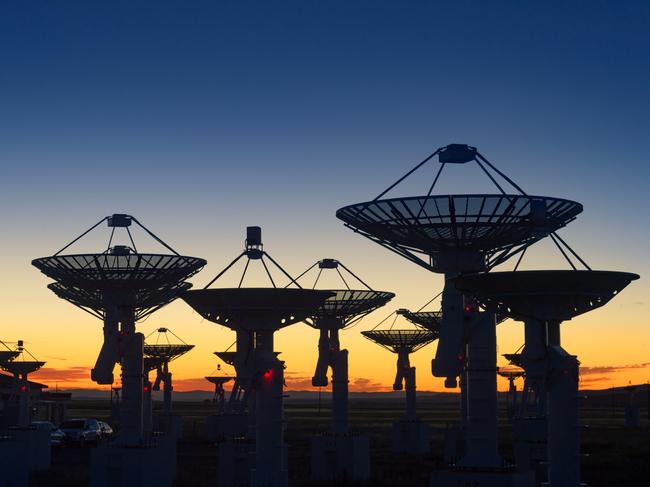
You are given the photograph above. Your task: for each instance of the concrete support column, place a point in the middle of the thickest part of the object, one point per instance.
(147, 407)
(481, 441)
(24, 418)
(340, 392)
(563, 420)
(410, 387)
(167, 390)
(270, 456)
(132, 383)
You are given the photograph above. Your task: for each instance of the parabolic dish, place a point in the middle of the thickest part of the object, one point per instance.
(231, 357)
(511, 374)
(21, 367)
(401, 340)
(256, 309)
(430, 320)
(227, 357)
(486, 223)
(515, 359)
(146, 300)
(218, 379)
(7, 355)
(166, 351)
(105, 271)
(347, 304)
(545, 295)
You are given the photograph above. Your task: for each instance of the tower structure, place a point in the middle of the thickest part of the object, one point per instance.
(410, 435)
(121, 285)
(454, 436)
(255, 314)
(219, 397)
(543, 300)
(20, 363)
(29, 448)
(511, 397)
(338, 454)
(166, 351)
(456, 234)
(231, 419)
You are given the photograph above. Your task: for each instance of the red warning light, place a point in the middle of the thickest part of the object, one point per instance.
(268, 375)
(468, 308)
(146, 388)
(23, 388)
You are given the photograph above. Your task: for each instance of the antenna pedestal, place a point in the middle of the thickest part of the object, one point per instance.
(270, 451)
(147, 407)
(168, 388)
(24, 416)
(338, 453)
(132, 390)
(340, 392)
(563, 424)
(410, 435)
(481, 442)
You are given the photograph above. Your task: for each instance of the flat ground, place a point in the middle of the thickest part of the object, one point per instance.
(612, 454)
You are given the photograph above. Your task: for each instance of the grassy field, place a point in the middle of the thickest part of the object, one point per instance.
(612, 454)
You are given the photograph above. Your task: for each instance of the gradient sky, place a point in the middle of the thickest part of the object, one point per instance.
(203, 117)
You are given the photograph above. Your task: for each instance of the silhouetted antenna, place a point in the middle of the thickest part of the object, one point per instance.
(343, 309)
(410, 435)
(255, 314)
(20, 364)
(543, 300)
(494, 226)
(120, 285)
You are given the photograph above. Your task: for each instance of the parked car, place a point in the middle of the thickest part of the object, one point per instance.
(57, 437)
(82, 431)
(107, 431)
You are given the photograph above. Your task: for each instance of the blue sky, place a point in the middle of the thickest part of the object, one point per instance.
(203, 117)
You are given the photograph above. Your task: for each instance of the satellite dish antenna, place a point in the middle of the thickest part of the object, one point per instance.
(543, 300)
(255, 314)
(20, 363)
(219, 391)
(120, 285)
(410, 435)
(456, 234)
(165, 351)
(342, 310)
(511, 399)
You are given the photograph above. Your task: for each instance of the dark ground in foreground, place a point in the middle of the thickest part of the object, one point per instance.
(612, 454)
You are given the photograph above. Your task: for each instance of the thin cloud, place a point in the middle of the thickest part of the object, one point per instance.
(610, 369)
(65, 374)
(361, 384)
